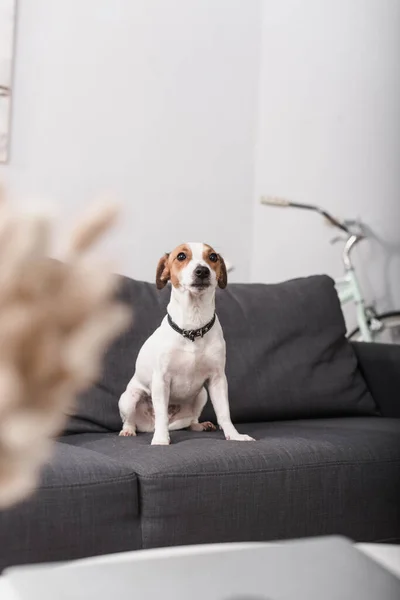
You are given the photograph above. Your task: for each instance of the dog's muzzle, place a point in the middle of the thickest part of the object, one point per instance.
(201, 276)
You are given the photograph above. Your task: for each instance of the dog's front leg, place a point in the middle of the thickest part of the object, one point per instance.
(218, 388)
(160, 388)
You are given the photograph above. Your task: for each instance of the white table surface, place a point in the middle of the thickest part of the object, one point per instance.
(5, 592)
(385, 554)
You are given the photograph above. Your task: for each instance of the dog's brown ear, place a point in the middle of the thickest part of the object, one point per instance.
(162, 273)
(223, 275)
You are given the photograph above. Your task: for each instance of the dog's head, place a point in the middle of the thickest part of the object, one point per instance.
(193, 266)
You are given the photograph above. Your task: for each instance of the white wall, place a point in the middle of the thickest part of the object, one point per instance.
(153, 100)
(329, 134)
(156, 101)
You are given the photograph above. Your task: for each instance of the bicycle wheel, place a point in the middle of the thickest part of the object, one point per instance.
(386, 329)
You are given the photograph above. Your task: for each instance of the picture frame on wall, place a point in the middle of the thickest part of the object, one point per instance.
(8, 10)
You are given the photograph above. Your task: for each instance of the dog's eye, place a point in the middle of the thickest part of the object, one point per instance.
(213, 257)
(181, 256)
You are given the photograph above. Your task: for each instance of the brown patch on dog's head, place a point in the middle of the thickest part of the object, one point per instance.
(217, 264)
(177, 262)
(170, 266)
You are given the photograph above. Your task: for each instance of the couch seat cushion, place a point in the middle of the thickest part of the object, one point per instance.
(86, 504)
(333, 476)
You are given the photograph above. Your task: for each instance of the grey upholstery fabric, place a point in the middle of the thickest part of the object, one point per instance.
(301, 478)
(287, 356)
(86, 504)
(380, 366)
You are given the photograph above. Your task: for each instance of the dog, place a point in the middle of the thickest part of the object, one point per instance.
(186, 353)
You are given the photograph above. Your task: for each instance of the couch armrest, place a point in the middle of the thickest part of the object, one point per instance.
(380, 367)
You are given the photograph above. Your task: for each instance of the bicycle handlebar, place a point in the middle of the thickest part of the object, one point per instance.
(283, 203)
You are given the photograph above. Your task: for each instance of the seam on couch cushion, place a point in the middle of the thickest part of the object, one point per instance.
(131, 476)
(280, 470)
(139, 508)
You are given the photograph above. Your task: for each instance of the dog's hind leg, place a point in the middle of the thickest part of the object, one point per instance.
(198, 406)
(127, 407)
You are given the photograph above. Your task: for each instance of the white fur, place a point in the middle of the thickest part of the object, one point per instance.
(167, 390)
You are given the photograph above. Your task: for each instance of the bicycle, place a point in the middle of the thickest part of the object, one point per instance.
(371, 326)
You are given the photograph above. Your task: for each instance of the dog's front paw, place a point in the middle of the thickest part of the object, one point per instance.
(159, 440)
(240, 437)
(127, 431)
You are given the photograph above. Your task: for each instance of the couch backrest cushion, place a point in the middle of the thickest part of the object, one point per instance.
(287, 355)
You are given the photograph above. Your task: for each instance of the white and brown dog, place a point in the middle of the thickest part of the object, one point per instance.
(187, 352)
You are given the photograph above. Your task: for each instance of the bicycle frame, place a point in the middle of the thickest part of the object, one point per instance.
(348, 288)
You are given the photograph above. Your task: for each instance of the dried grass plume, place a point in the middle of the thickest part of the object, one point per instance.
(56, 319)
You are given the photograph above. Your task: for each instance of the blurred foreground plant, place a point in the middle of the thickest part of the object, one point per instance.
(56, 319)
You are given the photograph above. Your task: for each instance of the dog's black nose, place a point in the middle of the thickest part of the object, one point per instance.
(202, 272)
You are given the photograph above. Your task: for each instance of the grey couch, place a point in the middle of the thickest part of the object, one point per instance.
(325, 415)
